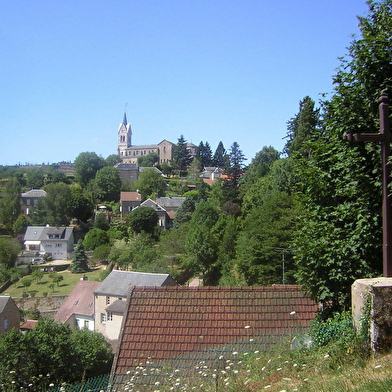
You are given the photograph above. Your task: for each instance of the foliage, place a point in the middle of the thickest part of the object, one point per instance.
(260, 166)
(234, 172)
(339, 236)
(94, 238)
(263, 247)
(143, 219)
(201, 242)
(181, 157)
(101, 252)
(185, 211)
(204, 154)
(112, 159)
(51, 353)
(148, 160)
(303, 128)
(86, 166)
(35, 178)
(20, 225)
(151, 183)
(79, 262)
(108, 182)
(94, 353)
(80, 207)
(10, 202)
(338, 328)
(220, 158)
(9, 250)
(56, 204)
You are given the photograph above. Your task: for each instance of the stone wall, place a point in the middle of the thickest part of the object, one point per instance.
(47, 306)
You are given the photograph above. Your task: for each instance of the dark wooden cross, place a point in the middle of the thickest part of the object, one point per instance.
(384, 138)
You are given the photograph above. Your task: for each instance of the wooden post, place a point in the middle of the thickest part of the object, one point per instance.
(384, 137)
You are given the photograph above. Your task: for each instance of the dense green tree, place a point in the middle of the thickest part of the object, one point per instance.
(112, 160)
(102, 252)
(80, 207)
(260, 166)
(143, 219)
(93, 352)
(39, 215)
(56, 203)
(234, 173)
(267, 234)
(56, 176)
(79, 261)
(86, 166)
(303, 128)
(109, 183)
(20, 224)
(339, 237)
(181, 158)
(148, 160)
(118, 232)
(35, 178)
(10, 202)
(51, 354)
(201, 242)
(9, 250)
(151, 184)
(94, 238)
(220, 158)
(204, 154)
(185, 211)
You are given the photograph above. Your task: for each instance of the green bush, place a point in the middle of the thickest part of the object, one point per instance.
(339, 328)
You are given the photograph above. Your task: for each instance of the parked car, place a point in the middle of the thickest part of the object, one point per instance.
(37, 261)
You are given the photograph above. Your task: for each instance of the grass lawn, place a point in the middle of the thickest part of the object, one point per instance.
(64, 288)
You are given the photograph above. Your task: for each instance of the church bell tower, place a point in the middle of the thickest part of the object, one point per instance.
(124, 137)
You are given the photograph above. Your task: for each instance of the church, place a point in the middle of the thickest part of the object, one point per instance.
(129, 153)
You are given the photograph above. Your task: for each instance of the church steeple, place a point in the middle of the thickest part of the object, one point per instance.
(124, 137)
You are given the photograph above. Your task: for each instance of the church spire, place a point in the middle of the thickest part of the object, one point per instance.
(125, 122)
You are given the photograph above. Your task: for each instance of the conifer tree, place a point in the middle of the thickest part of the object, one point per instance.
(79, 261)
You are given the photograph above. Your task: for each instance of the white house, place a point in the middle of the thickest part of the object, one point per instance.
(55, 241)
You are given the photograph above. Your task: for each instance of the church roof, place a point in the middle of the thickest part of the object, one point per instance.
(125, 121)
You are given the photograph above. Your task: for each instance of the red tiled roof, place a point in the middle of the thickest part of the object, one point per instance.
(130, 196)
(166, 322)
(28, 325)
(80, 301)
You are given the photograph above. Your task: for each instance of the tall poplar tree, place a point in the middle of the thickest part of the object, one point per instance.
(339, 237)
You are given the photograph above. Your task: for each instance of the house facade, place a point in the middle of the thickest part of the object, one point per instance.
(57, 242)
(111, 295)
(129, 201)
(29, 200)
(9, 314)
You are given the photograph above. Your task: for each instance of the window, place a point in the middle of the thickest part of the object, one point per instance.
(86, 324)
(76, 302)
(28, 202)
(110, 316)
(103, 318)
(107, 300)
(5, 324)
(59, 245)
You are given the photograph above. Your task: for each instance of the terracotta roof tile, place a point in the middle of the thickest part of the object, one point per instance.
(165, 322)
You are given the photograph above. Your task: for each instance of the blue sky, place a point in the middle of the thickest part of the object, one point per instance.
(209, 70)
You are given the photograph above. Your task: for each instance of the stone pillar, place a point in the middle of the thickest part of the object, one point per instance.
(372, 302)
